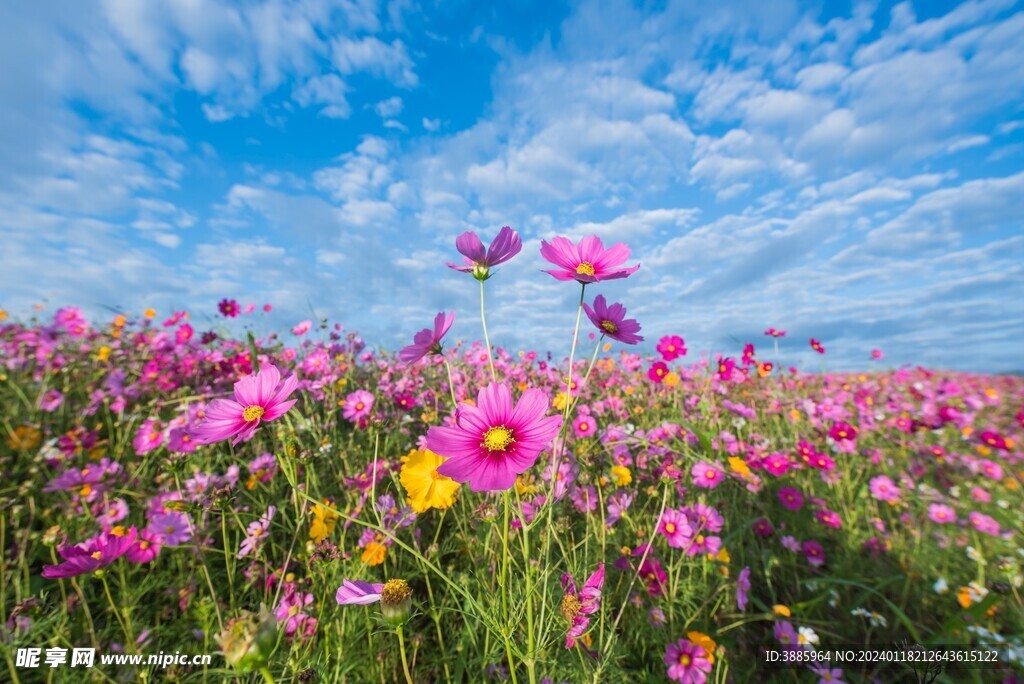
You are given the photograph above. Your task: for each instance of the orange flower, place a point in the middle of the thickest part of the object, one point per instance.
(373, 553)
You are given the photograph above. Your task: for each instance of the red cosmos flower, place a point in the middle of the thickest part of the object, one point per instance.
(816, 346)
(658, 371)
(994, 440)
(588, 262)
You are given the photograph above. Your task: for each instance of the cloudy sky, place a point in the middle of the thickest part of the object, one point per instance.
(852, 172)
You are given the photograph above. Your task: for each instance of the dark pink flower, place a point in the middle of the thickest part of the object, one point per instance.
(657, 371)
(687, 662)
(427, 341)
(93, 554)
(258, 398)
(228, 308)
(588, 262)
(816, 346)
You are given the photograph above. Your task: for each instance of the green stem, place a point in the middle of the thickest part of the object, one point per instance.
(130, 646)
(451, 383)
(405, 661)
(267, 677)
(487, 339)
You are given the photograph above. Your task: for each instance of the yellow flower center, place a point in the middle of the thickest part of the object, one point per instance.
(585, 268)
(97, 555)
(498, 438)
(670, 528)
(570, 607)
(671, 347)
(609, 326)
(359, 406)
(394, 592)
(143, 544)
(252, 413)
(684, 660)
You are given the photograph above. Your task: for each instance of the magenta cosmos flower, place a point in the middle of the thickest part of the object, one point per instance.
(494, 441)
(588, 262)
(93, 554)
(505, 245)
(358, 593)
(427, 341)
(687, 662)
(228, 308)
(578, 606)
(671, 347)
(612, 321)
(258, 398)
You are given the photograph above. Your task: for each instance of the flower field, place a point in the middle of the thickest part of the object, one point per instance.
(317, 510)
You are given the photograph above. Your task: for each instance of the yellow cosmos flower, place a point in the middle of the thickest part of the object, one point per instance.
(559, 401)
(671, 380)
(149, 313)
(622, 475)
(24, 438)
(373, 553)
(705, 642)
(103, 353)
(3, 315)
(779, 609)
(426, 488)
(738, 465)
(324, 521)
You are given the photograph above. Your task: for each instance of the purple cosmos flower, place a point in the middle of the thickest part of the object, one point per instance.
(588, 262)
(92, 554)
(427, 341)
(228, 308)
(612, 322)
(505, 245)
(494, 441)
(258, 398)
(742, 588)
(358, 593)
(577, 607)
(257, 531)
(146, 548)
(172, 528)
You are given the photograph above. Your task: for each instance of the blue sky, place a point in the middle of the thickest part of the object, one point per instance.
(848, 171)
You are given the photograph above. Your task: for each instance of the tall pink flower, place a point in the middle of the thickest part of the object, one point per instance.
(258, 398)
(494, 441)
(588, 262)
(427, 341)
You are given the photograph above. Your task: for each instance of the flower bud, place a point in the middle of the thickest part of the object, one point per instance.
(249, 640)
(396, 602)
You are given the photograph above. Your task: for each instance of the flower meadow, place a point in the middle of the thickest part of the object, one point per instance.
(317, 510)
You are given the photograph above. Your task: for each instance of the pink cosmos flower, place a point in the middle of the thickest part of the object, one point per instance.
(671, 347)
(259, 398)
(146, 547)
(505, 245)
(302, 328)
(994, 440)
(93, 554)
(842, 430)
(51, 401)
(427, 341)
(611, 321)
(357, 405)
(876, 353)
(687, 662)
(775, 333)
(584, 426)
(256, 532)
(358, 593)
(816, 346)
(588, 262)
(763, 527)
(984, 523)
(706, 476)
(815, 553)
(884, 489)
(676, 528)
(577, 607)
(494, 441)
(941, 513)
